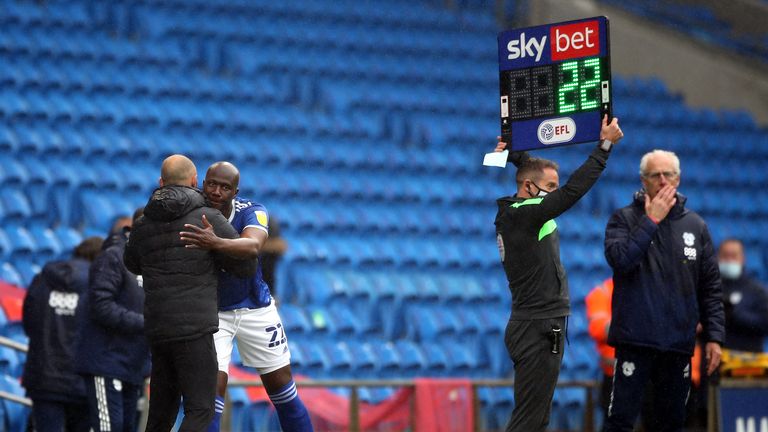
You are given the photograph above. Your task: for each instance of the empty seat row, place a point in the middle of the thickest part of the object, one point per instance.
(403, 251)
(175, 111)
(344, 216)
(338, 64)
(39, 242)
(95, 77)
(397, 15)
(94, 44)
(318, 33)
(59, 14)
(384, 359)
(319, 285)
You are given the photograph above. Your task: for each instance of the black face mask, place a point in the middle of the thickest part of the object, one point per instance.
(542, 192)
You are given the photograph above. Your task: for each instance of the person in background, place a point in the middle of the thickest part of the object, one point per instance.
(51, 310)
(598, 303)
(113, 355)
(270, 253)
(745, 300)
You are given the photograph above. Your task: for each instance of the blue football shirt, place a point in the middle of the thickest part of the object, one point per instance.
(252, 292)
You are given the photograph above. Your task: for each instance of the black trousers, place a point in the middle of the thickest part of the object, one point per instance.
(537, 368)
(666, 374)
(185, 369)
(59, 416)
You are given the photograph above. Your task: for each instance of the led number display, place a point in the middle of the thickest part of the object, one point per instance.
(553, 75)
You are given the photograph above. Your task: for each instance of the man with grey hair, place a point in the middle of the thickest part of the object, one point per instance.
(666, 282)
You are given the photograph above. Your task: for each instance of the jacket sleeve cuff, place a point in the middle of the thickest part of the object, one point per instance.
(600, 155)
(518, 157)
(648, 226)
(718, 340)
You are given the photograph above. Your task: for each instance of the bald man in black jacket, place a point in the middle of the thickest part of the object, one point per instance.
(180, 308)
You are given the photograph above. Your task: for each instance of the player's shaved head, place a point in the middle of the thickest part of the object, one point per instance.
(225, 170)
(178, 170)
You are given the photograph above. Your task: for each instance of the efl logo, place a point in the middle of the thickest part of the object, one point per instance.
(575, 40)
(556, 131)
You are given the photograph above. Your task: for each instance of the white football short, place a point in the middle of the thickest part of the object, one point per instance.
(260, 335)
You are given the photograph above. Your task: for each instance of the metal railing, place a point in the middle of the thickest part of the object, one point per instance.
(10, 343)
(355, 385)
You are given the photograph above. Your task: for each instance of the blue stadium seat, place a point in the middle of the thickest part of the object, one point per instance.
(354, 286)
(22, 243)
(27, 268)
(6, 247)
(13, 172)
(63, 175)
(463, 359)
(261, 416)
(437, 362)
(322, 321)
(364, 360)
(314, 358)
(238, 401)
(15, 414)
(48, 246)
(100, 209)
(428, 324)
(9, 143)
(109, 179)
(349, 324)
(68, 238)
(412, 361)
(9, 362)
(9, 274)
(294, 320)
(426, 287)
(471, 324)
(340, 360)
(388, 360)
(16, 205)
(500, 402)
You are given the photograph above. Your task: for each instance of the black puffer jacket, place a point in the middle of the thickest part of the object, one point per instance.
(179, 283)
(52, 308)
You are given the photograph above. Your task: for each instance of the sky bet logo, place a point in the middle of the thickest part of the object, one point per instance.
(523, 47)
(566, 42)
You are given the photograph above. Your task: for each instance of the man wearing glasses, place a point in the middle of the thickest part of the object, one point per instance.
(666, 281)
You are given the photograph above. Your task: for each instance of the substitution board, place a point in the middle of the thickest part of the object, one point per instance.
(555, 83)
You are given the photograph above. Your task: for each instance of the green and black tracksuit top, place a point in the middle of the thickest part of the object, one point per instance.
(529, 244)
